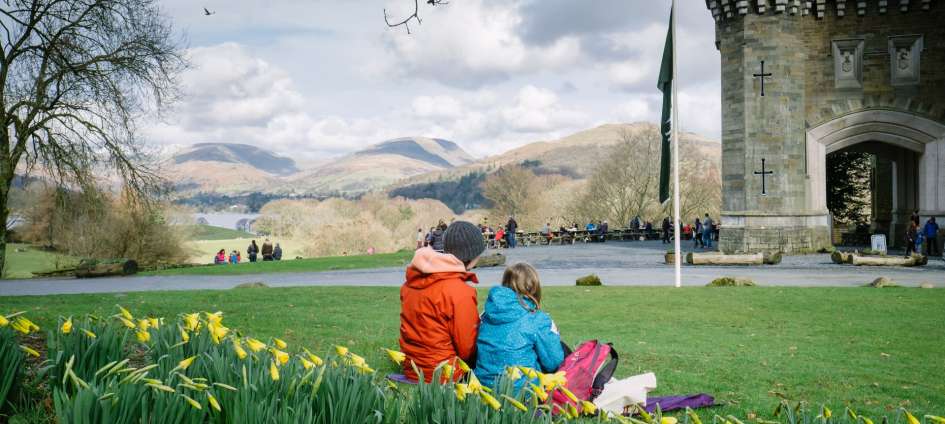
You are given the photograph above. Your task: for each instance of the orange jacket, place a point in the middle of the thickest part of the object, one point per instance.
(439, 317)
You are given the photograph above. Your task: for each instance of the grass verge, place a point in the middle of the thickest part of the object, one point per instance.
(871, 349)
(23, 260)
(297, 265)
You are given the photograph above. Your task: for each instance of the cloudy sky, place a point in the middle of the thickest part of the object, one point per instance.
(315, 79)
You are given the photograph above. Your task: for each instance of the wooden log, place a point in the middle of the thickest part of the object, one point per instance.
(723, 259)
(487, 261)
(841, 257)
(94, 269)
(888, 260)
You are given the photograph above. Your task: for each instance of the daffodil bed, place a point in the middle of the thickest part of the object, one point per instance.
(118, 366)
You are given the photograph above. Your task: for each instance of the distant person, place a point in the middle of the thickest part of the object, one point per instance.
(931, 237)
(436, 238)
(420, 238)
(220, 258)
(546, 232)
(915, 217)
(252, 251)
(912, 236)
(589, 227)
(707, 230)
(635, 223)
(697, 234)
(666, 227)
(267, 250)
(499, 236)
(511, 227)
(234, 258)
(602, 231)
(277, 252)
(428, 240)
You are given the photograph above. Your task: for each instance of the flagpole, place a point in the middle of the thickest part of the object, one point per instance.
(675, 135)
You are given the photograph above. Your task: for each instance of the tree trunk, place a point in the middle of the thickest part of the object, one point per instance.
(5, 182)
(916, 260)
(721, 259)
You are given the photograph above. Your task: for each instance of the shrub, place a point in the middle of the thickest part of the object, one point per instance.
(589, 280)
(731, 282)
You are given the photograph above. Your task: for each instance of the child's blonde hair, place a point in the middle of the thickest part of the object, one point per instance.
(523, 280)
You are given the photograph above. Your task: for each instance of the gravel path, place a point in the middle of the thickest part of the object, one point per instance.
(617, 263)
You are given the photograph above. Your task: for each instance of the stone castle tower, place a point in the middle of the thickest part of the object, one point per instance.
(838, 75)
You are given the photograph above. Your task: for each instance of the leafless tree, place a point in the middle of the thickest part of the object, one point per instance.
(413, 16)
(510, 190)
(75, 76)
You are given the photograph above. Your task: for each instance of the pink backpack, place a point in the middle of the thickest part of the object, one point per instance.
(587, 368)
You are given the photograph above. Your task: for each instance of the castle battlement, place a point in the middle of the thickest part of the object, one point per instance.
(729, 9)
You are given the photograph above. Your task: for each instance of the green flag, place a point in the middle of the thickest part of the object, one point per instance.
(665, 85)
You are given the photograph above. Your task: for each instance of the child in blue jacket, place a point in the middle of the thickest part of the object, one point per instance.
(514, 331)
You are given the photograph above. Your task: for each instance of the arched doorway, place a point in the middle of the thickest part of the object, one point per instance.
(906, 152)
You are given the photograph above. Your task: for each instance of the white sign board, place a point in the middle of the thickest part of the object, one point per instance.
(878, 243)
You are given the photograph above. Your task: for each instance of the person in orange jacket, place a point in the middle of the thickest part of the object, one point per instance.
(439, 316)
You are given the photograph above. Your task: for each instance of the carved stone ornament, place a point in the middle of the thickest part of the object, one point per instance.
(905, 53)
(848, 63)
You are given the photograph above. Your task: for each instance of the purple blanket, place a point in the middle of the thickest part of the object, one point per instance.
(672, 403)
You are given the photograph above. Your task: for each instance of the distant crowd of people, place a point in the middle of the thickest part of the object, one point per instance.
(269, 252)
(701, 232)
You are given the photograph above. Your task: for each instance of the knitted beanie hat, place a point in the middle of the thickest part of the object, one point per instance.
(464, 241)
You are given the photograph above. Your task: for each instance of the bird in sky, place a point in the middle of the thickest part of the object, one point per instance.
(207, 12)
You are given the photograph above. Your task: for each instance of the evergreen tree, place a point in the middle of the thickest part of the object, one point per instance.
(848, 187)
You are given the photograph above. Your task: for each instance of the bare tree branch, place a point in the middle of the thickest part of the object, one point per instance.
(415, 15)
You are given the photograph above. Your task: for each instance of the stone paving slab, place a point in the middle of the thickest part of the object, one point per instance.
(617, 263)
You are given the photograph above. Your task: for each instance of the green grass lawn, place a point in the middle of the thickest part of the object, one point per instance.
(23, 260)
(871, 349)
(297, 265)
(210, 232)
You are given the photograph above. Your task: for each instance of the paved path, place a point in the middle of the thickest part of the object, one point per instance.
(617, 263)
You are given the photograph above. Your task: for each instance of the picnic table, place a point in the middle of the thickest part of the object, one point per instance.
(571, 236)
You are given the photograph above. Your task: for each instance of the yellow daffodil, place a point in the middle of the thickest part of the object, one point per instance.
(513, 373)
(540, 392)
(463, 365)
(67, 326)
(828, 414)
(193, 403)
(448, 371)
(461, 391)
(356, 360)
(550, 381)
(490, 401)
(645, 415)
(668, 420)
(364, 368)
(214, 318)
(161, 387)
(24, 325)
(935, 419)
(572, 411)
(306, 363)
(144, 324)
(474, 385)
(568, 393)
(341, 350)
(191, 321)
(395, 356)
(217, 331)
(693, 416)
(866, 420)
(273, 371)
(4, 321)
(186, 363)
(588, 408)
(280, 344)
(515, 403)
(213, 402)
(88, 333)
(125, 314)
(255, 345)
(240, 352)
(911, 419)
(155, 323)
(128, 323)
(143, 336)
(29, 351)
(314, 358)
(281, 357)
(184, 335)
(529, 372)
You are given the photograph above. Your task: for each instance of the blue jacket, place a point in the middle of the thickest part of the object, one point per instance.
(510, 335)
(931, 229)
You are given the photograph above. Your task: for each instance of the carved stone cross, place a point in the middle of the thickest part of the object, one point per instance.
(762, 75)
(763, 173)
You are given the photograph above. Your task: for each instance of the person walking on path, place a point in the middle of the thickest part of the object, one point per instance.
(666, 226)
(911, 235)
(277, 252)
(931, 237)
(420, 238)
(707, 229)
(252, 251)
(511, 228)
(267, 250)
